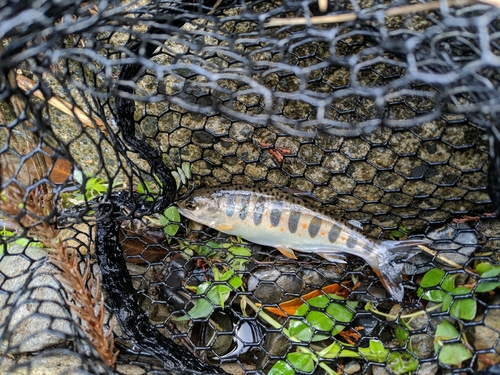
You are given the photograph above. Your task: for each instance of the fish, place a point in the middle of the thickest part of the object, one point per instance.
(272, 217)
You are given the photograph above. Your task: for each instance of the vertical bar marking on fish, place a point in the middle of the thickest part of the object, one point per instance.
(293, 221)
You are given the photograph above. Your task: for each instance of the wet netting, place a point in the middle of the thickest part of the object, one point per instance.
(382, 115)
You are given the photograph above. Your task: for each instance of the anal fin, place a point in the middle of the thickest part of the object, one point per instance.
(286, 251)
(332, 257)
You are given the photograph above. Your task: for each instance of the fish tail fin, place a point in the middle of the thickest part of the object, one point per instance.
(389, 272)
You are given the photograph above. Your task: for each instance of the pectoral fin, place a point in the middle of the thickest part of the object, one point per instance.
(286, 251)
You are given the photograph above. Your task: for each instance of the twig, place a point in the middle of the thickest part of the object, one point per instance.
(72, 110)
(346, 17)
(214, 8)
(440, 257)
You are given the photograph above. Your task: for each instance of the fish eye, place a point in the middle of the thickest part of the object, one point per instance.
(191, 205)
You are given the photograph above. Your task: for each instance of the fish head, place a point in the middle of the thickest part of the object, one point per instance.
(202, 207)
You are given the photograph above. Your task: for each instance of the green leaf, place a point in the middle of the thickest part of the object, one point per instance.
(319, 302)
(186, 168)
(449, 353)
(331, 351)
(236, 282)
(170, 215)
(317, 320)
(432, 278)
(177, 179)
(320, 320)
(377, 347)
(281, 368)
(460, 308)
(4, 233)
(448, 283)
(227, 275)
(203, 287)
(219, 294)
(486, 286)
(375, 352)
(483, 267)
(402, 364)
(434, 295)
(301, 361)
(401, 334)
(338, 328)
(202, 309)
(239, 251)
(300, 330)
(491, 273)
(341, 313)
(26, 242)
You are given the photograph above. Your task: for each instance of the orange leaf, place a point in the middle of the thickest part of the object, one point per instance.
(290, 307)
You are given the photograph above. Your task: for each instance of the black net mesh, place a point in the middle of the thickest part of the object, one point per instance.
(385, 113)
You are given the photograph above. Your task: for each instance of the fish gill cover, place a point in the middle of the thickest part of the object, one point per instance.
(385, 113)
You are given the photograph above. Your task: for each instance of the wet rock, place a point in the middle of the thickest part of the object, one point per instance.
(367, 293)
(378, 370)
(422, 344)
(352, 367)
(32, 309)
(368, 321)
(428, 368)
(271, 285)
(486, 335)
(455, 242)
(43, 364)
(275, 344)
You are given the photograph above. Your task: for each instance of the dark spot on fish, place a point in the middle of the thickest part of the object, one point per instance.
(368, 248)
(293, 221)
(351, 242)
(230, 205)
(244, 206)
(334, 233)
(314, 226)
(259, 210)
(275, 215)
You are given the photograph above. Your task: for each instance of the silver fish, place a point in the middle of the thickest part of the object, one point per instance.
(271, 217)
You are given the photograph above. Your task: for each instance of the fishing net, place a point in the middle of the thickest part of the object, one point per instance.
(384, 112)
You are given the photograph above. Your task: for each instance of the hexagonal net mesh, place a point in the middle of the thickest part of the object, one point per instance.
(380, 116)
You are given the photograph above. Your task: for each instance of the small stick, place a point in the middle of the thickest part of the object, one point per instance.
(214, 8)
(27, 84)
(345, 17)
(440, 257)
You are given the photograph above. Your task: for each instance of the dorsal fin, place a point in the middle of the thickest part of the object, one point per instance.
(304, 195)
(355, 224)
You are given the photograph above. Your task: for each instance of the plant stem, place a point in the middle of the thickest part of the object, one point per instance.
(370, 307)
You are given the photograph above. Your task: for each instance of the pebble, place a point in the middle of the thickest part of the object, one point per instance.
(41, 322)
(486, 335)
(455, 241)
(352, 367)
(272, 284)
